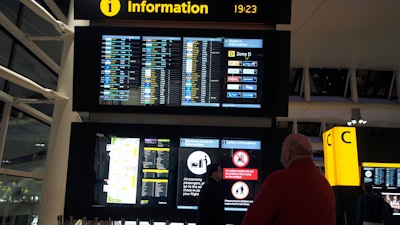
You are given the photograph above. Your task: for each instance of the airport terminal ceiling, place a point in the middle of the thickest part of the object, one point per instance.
(327, 34)
(353, 35)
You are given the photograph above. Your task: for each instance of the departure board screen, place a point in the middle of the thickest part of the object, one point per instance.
(382, 178)
(140, 70)
(213, 72)
(172, 70)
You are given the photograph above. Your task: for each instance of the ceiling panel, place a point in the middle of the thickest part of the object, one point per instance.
(345, 34)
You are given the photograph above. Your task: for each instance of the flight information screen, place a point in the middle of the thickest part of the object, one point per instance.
(181, 71)
(382, 178)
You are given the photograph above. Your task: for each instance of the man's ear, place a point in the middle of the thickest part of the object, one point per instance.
(288, 155)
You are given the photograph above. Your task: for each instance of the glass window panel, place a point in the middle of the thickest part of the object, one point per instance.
(1, 110)
(22, 220)
(26, 144)
(22, 194)
(393, 95)
(310, 129)
(10, 9)
(373, 84)
(295, 78)
(28, 66)
(283, 124)
(5, 48)
(34, 25)
(64, 5)
(44, 108)
(328, 82)
(5, 53)
(52, 48)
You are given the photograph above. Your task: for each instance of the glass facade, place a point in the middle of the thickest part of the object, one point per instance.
(26, 144)
(26, 140)
(374, 84)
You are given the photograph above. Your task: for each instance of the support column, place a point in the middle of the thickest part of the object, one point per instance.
(54, 183)
(353, 85)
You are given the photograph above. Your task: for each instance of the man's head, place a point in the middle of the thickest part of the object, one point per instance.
(295, 146)
(214, 171)
(367, 187)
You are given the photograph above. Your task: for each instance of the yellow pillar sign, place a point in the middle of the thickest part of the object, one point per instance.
(341, 156)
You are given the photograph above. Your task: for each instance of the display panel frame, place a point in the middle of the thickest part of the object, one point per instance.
(81, 178)
(383, 176)
(272, 93)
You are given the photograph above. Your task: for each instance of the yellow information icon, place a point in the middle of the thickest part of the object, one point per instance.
(110, 8)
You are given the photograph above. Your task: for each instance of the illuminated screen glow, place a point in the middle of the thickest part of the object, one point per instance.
(151, 171)
(132, 171)
(394, 201)
(387, 178)
(181, 71)
(241, 163)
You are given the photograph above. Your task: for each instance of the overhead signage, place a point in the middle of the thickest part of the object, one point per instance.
(341, 156)
(262, 11)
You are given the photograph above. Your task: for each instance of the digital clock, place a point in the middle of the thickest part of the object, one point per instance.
(245, 9)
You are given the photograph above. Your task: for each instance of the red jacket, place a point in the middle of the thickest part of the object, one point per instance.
(297, 195)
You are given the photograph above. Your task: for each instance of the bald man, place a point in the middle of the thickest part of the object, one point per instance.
(295, 195)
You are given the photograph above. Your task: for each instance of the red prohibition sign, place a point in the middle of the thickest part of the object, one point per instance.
(240, 158)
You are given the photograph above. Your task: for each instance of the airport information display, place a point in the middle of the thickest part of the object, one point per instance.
(184, 71)
(382, 178)
(147, 70)
(134, 170)
(241, 163)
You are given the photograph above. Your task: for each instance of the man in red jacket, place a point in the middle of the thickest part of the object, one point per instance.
(295, 195)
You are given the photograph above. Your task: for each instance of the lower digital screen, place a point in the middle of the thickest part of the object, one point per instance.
(241, 163)
(137, 170)
(393, 200)
(156, 172)
(132, 170)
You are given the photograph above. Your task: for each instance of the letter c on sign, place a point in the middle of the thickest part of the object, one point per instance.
(347, 142)
(327, 140)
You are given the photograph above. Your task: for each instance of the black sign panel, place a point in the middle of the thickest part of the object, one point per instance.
(259, 11)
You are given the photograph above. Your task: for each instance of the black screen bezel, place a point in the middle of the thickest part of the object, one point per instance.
(80, 177)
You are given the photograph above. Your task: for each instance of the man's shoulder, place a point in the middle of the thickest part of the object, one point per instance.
(278, 174)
